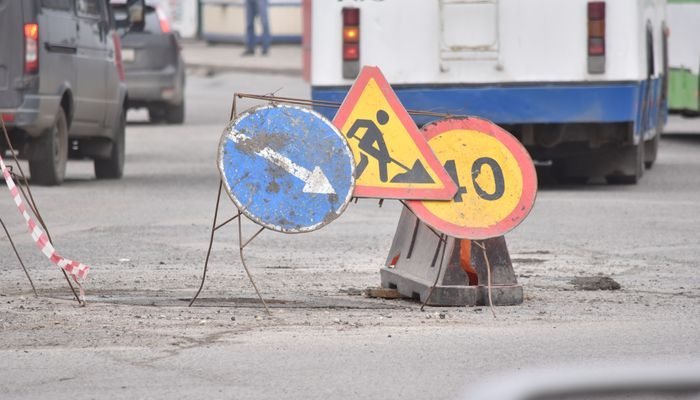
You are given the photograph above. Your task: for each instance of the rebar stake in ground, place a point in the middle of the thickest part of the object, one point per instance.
(488, 274)
(12, 243)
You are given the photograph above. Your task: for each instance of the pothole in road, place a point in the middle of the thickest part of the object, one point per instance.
(182, 299)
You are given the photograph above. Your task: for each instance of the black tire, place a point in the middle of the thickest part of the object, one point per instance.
(47, 165)
(156, 114)
(113, 167)
(633, 157)
(176, 113)
(651, 150)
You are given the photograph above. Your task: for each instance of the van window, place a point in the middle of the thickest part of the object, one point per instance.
(151, 24)
(63, 5)
(89, 8)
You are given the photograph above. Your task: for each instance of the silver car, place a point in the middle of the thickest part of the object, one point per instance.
(155, 70)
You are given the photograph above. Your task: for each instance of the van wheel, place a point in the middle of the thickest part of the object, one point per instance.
(47, 165)
(156, 113)
(176, 113)
(113, 167)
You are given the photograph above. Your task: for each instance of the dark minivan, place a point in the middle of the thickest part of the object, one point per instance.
(62, 90)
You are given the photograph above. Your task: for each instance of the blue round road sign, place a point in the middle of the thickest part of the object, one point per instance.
(286, 168)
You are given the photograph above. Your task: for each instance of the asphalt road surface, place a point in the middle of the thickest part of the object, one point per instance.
(146, 235)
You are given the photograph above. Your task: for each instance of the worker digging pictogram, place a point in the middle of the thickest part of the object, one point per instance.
(393, 158)
(372, 144)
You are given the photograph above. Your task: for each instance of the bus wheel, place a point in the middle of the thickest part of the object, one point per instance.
(651, 149)
(628, 168)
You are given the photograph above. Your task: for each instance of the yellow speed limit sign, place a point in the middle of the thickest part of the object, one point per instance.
(495, 176)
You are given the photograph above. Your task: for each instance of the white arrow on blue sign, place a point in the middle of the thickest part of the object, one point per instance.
(286, 168)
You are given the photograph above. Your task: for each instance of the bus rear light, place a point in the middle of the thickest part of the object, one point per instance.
(596, 37)
(31, 48)
(351, 52)
(351, 34)
(596, 46)
(596, 28)
(351, 16)
(8, 117)
(351, 42)
(596, 10)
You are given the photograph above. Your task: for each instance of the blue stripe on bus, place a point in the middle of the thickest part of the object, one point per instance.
(541, 103)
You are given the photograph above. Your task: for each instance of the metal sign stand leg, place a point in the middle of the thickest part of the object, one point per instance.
(241, 246)
(12, 243)
(211, 242)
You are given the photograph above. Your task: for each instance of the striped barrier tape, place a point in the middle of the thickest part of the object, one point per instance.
(74, 268)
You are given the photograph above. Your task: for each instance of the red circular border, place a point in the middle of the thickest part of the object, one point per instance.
(527, 199)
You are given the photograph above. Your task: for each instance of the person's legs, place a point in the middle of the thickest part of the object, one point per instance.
(262, 12)
(250, 6)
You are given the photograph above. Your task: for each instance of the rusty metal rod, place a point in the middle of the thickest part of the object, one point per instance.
(245, 267)
(211, 242)
(331, 104)
(488, 275)
(253, 237)
(12, 243)
(233, 108)
(221, 225)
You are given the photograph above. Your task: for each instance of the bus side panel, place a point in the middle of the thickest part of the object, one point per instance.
(503, 104)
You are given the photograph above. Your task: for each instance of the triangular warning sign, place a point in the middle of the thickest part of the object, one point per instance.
(393, 158)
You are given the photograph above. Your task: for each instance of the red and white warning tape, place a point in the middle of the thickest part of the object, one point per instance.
(76, 269)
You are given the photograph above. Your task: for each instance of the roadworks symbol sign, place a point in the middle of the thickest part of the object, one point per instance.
(393, 158)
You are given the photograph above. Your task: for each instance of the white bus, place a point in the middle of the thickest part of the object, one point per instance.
(580, 83)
